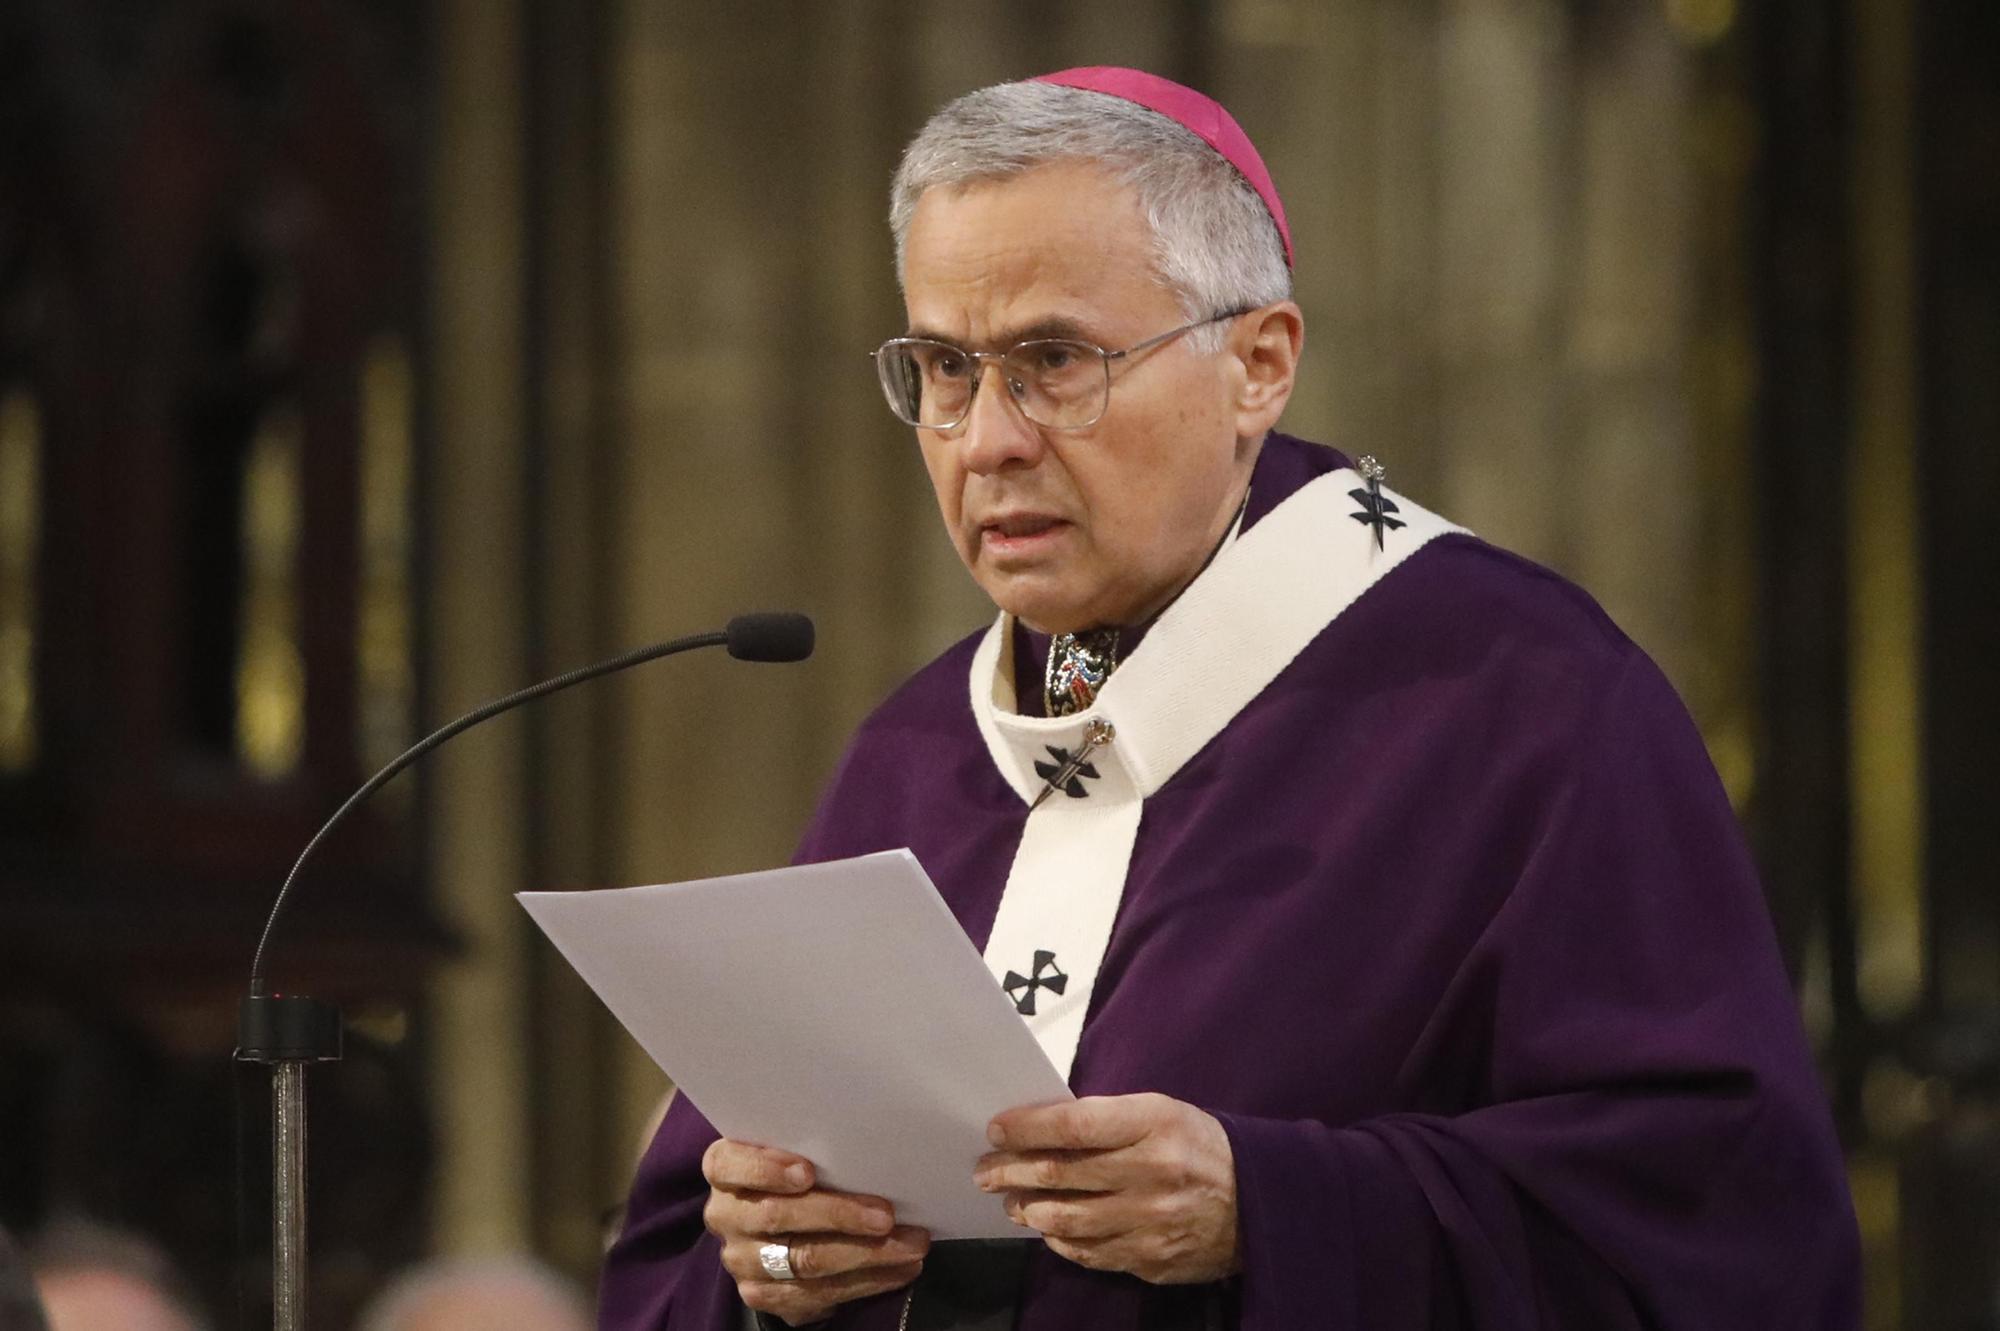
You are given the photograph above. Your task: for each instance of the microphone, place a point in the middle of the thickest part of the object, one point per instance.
(776, 636)
(770, 636)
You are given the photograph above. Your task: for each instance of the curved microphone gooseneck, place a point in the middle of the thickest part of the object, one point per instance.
(759, 637)
(287, 1032)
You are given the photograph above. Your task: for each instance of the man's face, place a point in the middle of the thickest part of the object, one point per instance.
(1070, 529)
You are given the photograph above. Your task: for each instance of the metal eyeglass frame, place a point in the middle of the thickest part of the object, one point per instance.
(999, 360)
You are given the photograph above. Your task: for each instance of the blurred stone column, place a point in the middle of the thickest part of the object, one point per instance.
(1633, 502)
(878, 565)
(1491, 210)
(1341, 99)
(582, 1157)
(1503, 254)
(750, 156)
(700, 197)
(476, 630)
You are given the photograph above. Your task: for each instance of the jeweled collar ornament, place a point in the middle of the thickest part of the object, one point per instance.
(1079, 663)
(1067, 771)
(1376, 511)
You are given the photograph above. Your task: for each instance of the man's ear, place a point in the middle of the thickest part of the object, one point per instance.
(1267, 343)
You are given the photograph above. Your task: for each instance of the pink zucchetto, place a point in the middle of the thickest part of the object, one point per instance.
(1201, 115)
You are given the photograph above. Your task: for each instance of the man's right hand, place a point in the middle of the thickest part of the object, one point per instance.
(843, 1245)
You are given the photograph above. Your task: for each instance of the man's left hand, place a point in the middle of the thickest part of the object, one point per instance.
(1144, 1184)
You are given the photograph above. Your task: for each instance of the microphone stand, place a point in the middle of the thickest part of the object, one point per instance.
(288, 1033)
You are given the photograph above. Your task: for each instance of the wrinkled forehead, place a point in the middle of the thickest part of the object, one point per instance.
(1064, 241)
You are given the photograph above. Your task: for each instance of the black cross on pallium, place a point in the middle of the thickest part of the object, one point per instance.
(1070, 787)
(1055, 982)
(1375, 511)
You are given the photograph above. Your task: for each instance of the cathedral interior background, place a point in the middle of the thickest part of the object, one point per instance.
(360, 361)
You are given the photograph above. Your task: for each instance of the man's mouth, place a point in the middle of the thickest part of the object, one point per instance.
(1019, 532)
(1022, 524)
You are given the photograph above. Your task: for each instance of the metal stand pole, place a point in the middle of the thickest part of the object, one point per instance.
(288, 1196)
(287, 1034)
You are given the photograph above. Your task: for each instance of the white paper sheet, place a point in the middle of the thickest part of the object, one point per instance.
(836, 1010)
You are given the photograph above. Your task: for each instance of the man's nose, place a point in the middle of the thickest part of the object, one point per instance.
(996, 433)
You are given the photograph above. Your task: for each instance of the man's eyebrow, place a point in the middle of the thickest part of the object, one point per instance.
(1056, 325)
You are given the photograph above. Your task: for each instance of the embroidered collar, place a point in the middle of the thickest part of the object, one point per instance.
(1262, 598)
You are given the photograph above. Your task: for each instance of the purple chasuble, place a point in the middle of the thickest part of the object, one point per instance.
(1453, 929)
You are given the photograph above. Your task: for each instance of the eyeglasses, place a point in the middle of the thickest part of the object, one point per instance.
(1059, 383)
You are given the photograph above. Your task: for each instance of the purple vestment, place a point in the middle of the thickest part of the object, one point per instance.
(1453, 929)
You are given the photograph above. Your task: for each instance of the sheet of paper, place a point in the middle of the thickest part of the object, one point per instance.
(836, 1010)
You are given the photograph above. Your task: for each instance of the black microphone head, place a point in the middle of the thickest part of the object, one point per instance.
(774, 636)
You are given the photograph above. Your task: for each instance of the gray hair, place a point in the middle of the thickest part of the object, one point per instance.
(1215, 245)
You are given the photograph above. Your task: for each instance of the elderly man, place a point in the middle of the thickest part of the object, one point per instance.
(1373, 891)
